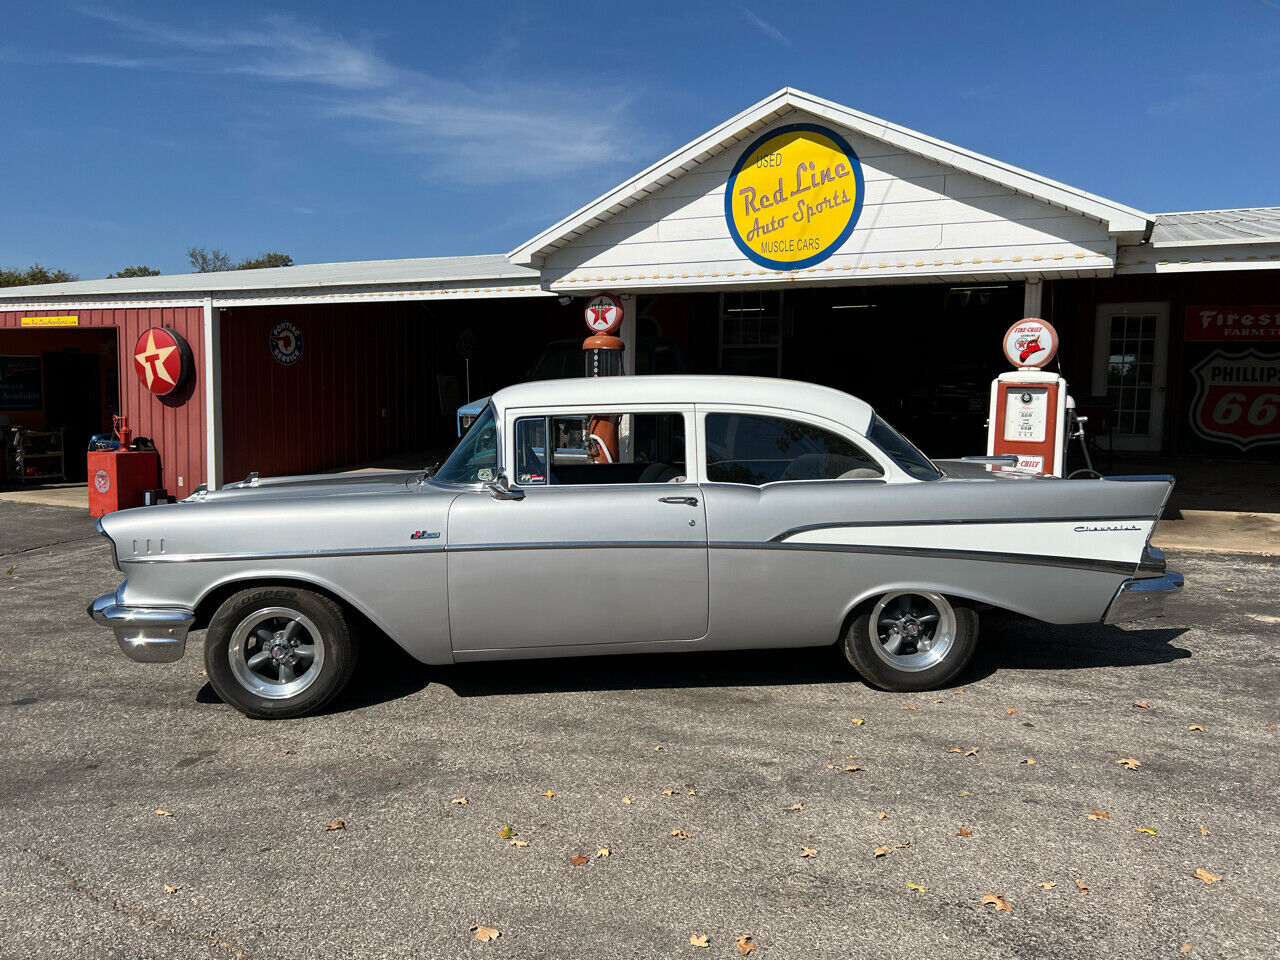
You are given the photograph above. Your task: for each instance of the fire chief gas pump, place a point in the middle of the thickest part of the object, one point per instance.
(1028, 414)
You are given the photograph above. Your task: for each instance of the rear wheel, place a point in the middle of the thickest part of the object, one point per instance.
(276, 652)
(911, 640)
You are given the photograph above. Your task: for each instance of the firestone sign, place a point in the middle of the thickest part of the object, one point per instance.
(1237, 398)
(794, 196)
(1234, 324)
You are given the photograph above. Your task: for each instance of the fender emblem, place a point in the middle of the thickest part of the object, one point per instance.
(1084, 528)
(425, 535)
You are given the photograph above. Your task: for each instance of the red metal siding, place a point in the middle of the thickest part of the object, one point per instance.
(178, 425)
(325, 410)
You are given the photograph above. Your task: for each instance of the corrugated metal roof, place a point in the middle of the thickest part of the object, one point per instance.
(424, 270)
(1246, 225)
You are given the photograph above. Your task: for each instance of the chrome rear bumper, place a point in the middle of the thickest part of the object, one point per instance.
(145, 634)
(1139, 599)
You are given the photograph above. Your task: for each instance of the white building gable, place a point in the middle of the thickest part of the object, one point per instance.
(929, 211)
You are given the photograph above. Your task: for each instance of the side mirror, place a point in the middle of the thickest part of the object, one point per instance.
(500, 489)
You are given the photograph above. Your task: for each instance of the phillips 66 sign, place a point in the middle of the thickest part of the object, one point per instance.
(1237, 398)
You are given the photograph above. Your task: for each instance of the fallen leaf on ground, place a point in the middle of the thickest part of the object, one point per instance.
(625, 800)
(335, 825)
(745, 945)
(1150, 830)
(1027, 760)
(858, 721)
(882, 816)
(461, 801)
(10, 571)
(507, 832)
(1204, 831)
(1270, 725)
(699, 941)
(169, 888)
(797, 806)
(852, 768)
(831, 766)
(955, 750)
(668, 793)
(679, 835)
(163, 813)
(1081, 886)
(963, 793)
(289, 750)
(1196, 726)
(692, 792)
(1099, 815)
(485, 933)
(577, 860)
(518, 843)
(971, 752)
(916, 887)
(937, 701)
(602, 852)
(1206, 876)
(1143, 704)
(548, 793)
(964, 832)
(959, 693)
(903, 846)
(808, 852)
(658, 748)
(1230, 589)
(910, 708)
(1129, 763)
(881, 852)
(1185, 948)
(998, 902)
(1047, 884)
(1010, 711)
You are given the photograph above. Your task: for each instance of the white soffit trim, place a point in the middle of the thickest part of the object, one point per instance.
(1126, 224)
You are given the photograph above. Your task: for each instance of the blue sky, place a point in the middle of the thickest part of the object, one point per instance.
(341, 131)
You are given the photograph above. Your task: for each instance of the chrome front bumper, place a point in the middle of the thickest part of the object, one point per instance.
(1139, 599)
(145, 634)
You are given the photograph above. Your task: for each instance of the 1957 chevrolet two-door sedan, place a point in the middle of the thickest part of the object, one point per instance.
(630, 514)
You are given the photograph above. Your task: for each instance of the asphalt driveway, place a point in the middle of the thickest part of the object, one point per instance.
(140, 817)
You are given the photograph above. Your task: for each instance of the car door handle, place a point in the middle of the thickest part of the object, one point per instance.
(687, 501)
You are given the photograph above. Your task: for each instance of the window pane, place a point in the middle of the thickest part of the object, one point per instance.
(531, 450)
(755, 450)
(618, 448)
(475, 458)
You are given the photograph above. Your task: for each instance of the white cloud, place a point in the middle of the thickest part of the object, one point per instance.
(767, 28)
(513, 132)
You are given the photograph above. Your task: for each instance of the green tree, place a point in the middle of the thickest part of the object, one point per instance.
(272, 259)
(207, 261)
(34, 274)
(138, 271)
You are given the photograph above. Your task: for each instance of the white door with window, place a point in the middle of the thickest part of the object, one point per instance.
(1131, 348)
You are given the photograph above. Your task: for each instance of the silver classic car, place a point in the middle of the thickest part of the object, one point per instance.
(631, 514)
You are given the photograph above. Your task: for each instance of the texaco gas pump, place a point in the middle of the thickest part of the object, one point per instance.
(603, 357)
(1028, 414)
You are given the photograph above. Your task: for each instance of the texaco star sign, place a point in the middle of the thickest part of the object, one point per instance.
(158, 360)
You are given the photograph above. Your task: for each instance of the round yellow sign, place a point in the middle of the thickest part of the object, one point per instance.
(794, 196)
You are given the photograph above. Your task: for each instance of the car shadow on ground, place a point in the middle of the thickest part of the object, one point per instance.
(386, 673)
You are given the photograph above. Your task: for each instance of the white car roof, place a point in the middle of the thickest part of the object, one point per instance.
(709, 390)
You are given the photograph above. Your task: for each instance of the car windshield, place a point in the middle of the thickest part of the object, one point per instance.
(475, 458)
(901, 450)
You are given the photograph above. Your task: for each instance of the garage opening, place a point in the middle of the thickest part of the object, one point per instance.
(58, 388)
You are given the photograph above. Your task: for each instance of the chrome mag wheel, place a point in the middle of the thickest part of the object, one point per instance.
(913, 631)
(276, 653)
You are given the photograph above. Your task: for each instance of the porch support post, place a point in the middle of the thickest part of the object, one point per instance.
(627, 332)
(1033, 298)
(212, 394)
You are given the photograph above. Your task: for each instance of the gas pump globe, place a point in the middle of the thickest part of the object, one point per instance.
(603, 351)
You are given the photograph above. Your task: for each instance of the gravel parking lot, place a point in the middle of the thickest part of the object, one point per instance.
(140, 817)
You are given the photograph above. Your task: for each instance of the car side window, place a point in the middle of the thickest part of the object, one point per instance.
(755, 450)
(601, 448)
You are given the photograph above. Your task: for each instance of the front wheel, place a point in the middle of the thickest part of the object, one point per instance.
(911, 640)
(276, 652)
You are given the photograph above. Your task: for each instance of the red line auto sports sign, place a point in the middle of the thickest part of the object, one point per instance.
(1237, 398)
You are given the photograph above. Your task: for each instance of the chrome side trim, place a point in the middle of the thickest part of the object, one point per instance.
(581, 545)
(947, 523)
(1143, 478)
(115, 554)
(1138, 599)
(1117, 567)
(284, 555)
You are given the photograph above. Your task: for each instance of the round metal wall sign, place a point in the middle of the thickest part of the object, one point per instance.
(286, 343)
(604, 313)
(794, 196)
(162, 360)
(1031, 342)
